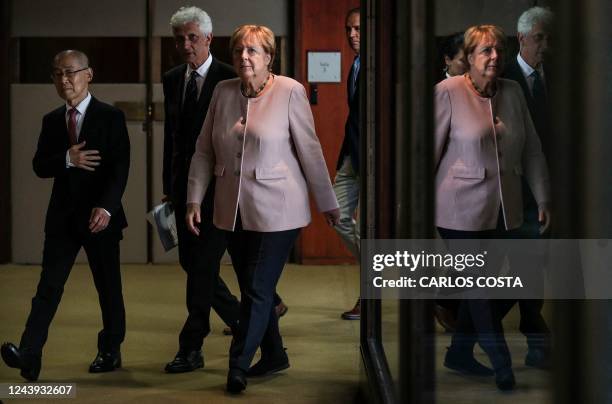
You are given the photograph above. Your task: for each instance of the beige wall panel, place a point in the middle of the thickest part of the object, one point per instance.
(226, 15)
(78, 18)
(453, 15)
(30, 194)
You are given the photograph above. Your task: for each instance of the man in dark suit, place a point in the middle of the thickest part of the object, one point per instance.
(84, 146)
(529, 71)
(346, 184)
(188, 90)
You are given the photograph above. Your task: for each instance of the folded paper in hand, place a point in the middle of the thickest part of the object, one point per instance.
(162, 219)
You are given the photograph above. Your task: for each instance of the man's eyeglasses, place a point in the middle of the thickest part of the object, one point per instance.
(58, 74)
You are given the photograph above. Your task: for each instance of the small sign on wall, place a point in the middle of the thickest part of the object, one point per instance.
(324, 67)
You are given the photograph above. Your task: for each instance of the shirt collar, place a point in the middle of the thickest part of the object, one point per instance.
(527, 70)
(82, 107)
(203, 69)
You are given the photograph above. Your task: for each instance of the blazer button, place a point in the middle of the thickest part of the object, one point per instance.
(237, 173)
(238, 155)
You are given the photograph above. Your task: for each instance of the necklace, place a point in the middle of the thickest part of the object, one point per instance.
(482, 93)
(245, 91)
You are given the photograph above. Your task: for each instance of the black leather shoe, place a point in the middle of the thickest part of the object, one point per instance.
(105, 362)
(537, 358)
(185, 362)
(20, 359)
(504, 379)
(236, 380)
(268, 365)
(464, 362)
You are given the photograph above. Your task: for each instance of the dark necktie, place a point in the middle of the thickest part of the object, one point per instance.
(539, 93)
(191, 96)
(354, 74)
(72, 126)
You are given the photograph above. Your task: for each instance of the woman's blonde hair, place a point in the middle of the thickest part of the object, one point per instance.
(475, 34)
(262, 34)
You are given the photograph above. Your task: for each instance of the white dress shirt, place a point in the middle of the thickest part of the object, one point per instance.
(80, 117)
(528, 71)
(201, 77)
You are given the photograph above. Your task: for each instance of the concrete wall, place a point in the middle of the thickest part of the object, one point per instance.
(38, 18)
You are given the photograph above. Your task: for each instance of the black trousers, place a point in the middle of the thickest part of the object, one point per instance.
(480, 320)
(532, 324)
(200, 257)
(258, 259)
(59, 254)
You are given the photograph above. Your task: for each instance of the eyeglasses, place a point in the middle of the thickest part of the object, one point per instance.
(58, 74)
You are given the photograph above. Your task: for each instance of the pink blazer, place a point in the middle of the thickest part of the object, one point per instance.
(482, 148)
(265, 155)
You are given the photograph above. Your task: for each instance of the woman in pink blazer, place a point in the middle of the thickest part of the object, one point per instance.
(484, 142)
(259, 142)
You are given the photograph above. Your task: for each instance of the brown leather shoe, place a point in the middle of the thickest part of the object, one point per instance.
(354, 313)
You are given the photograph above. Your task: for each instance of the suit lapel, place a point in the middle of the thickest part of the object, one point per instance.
(520, 78)
(61, 125)
(180, 88)
(90, 118)
(208, 86)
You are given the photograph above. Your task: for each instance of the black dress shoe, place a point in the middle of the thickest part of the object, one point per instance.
(537, 358)
(504, 379)
(105, 362)
(21, 359)
(236, 380)
(268, 365)
(185, 362)
(464, 362)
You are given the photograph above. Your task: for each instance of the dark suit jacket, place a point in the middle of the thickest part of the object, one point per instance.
(180, 136)
(350, 145)
(76, 191)
(540, 114)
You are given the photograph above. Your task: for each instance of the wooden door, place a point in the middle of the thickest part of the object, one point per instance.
(319, 26)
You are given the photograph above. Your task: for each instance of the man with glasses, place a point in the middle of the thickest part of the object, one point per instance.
(84, 147)
(188, 89)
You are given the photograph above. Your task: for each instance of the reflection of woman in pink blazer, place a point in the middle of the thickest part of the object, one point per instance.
(484, 142)
(259, 142)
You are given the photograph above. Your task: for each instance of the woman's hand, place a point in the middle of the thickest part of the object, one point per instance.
(544, 218)
(193, 218)
(332, 217)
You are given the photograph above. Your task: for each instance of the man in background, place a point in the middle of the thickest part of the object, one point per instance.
(346, 184)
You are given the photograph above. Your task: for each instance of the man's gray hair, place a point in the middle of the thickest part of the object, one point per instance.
(186, 15)
(81, 57)
(533, 16)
